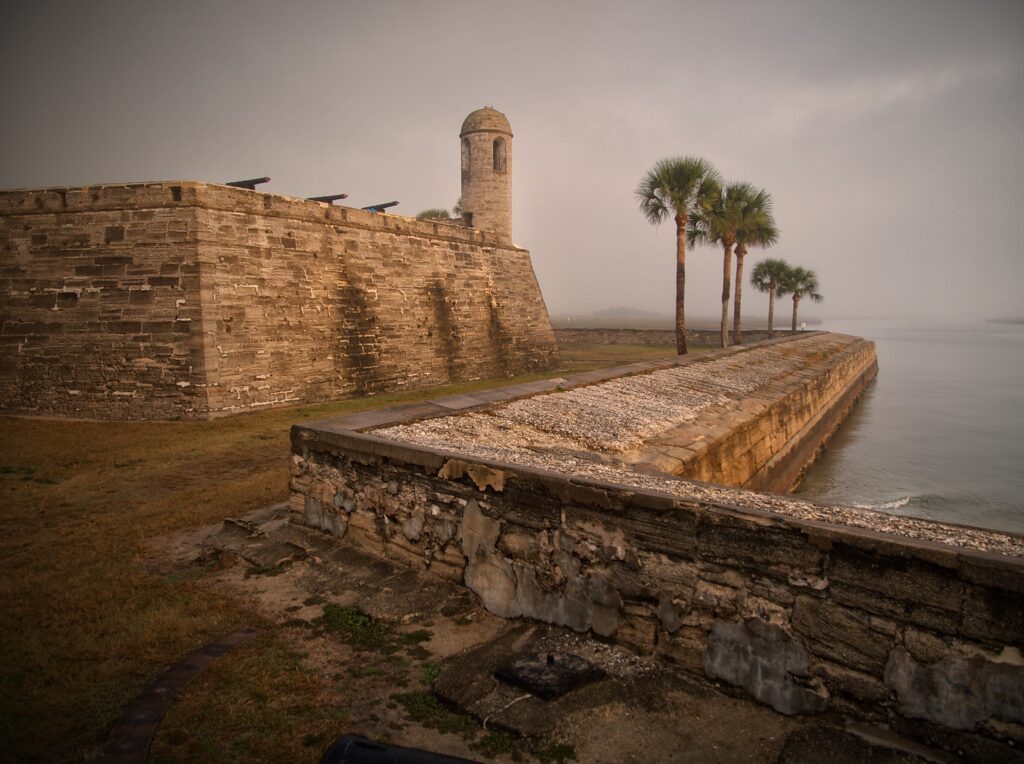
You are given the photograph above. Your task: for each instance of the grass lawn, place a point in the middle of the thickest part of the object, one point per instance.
(86, 625)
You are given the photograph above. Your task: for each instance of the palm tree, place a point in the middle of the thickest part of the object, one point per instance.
(802, 283)
(770, 276)
(717, 224)
(679, 187)
(756, 229)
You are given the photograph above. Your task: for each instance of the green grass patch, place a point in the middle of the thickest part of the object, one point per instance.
(430, 673)
(424, 708)
(363, 632)
(498, 743)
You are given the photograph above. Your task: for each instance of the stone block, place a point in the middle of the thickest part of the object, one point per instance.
(897, 586)
(993, 571)
(875, 602)
(993, 616)
(862, 687)
(899, 577)
(840, 634)
(925, 647)
(638, 629)
(684, 648)
(520, 546)
(737, 542)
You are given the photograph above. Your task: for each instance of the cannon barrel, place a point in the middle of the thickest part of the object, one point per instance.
(380, 207)
(329, 198)
(249, 184)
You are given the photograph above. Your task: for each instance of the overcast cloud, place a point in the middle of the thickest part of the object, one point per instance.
(891, 134)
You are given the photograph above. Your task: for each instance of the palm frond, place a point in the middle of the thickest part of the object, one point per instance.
(674, 186)
(756, 227)
(768, 271)
(801, 283)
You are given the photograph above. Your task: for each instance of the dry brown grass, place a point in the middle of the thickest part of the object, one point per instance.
(582, 357)
(86, 625)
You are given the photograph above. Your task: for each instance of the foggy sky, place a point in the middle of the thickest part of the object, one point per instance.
(891, 134)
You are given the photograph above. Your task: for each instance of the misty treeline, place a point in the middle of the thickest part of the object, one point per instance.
(733, 215)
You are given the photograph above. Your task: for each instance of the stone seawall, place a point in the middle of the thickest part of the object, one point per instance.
(809, 608)
(186, 299)
(767, 438)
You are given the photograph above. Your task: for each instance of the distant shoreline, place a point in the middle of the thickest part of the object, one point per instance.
(667, 323)
(702, 338)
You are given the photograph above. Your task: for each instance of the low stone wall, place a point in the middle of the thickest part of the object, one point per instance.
(807, 616)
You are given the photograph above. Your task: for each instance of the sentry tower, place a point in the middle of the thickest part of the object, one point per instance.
(487, 171)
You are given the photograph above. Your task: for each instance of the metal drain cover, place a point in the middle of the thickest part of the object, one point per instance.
(548, 675)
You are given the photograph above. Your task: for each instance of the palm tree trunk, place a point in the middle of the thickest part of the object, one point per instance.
(771, 311)
(796, 302)
(737, 336)
(726, 273)
(680, 284)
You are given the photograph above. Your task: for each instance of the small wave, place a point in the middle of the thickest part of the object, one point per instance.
(886, 504)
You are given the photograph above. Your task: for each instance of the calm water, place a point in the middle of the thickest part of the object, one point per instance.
(940, 433)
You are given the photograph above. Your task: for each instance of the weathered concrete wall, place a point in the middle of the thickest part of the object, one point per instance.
(807, 615)
(191, 299)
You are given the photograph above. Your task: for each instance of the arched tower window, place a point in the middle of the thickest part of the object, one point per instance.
(465, 159)
(499, 155)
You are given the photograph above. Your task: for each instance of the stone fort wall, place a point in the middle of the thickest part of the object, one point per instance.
(188, 299)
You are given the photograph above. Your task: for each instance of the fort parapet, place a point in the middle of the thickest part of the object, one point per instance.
(184, 299)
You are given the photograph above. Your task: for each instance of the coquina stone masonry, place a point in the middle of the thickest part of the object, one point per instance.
(188, 299)
(809, 608)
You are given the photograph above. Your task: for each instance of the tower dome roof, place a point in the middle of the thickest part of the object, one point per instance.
(486, 120)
